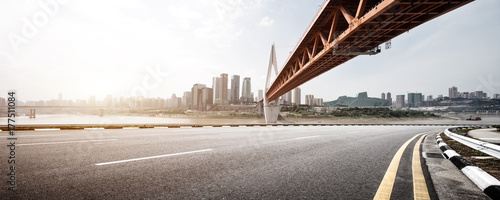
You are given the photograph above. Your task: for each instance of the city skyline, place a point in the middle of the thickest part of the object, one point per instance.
(290, 98)
(85, 50)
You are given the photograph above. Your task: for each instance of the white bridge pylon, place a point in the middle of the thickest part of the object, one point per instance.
(271, 108)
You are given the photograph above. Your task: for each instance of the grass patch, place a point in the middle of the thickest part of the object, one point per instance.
(492, 166)
(464, 131)
(497, 127)
(356, 112)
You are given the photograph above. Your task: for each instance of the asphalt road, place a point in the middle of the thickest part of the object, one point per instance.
(312, 162)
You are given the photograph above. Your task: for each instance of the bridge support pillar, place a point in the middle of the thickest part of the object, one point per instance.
(271, 111)
(271, 108)
(32, 113)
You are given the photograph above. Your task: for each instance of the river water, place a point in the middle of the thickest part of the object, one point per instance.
(114, 119)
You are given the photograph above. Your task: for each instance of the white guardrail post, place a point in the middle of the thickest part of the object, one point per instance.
(485, 147)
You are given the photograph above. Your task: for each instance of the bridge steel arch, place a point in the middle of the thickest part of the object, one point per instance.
(344, 29)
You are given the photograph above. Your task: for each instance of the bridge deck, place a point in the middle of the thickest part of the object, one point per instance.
(344, 29)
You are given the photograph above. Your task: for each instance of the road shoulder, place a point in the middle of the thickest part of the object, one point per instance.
(449, 182)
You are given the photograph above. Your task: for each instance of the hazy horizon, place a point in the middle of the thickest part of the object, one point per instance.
(158, 48)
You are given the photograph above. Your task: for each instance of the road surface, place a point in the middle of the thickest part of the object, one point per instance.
(282, 162)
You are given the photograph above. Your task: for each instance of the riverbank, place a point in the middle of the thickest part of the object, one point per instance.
(246, 118)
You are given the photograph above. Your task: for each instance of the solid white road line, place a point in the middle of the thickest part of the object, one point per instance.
(307, 137)
(298, 138)
(130, 128)
(151, 157)
(66, 142)
(47, 129)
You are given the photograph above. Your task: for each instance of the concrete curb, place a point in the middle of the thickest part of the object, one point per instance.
(31, 127)
(487, 183)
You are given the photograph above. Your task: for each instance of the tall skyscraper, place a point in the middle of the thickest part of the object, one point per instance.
(246, 89)
(260, 95)
(310, 99)
(196, 94)
(414, 99)
(288, 98)
(108, 101)
(389, 98)
(216, 87)
(296, 96)
(382, 96)
(235, 89)
(223, 89)
(173, 102)
(318, 102)
(207, 98)
(480, 95)
(400, 101)
(186, 99)
(453, 92)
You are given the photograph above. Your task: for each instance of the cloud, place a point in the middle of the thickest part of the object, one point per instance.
(266, 22)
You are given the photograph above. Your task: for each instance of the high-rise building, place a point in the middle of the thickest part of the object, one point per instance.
(260, 95)
(400, 101)
(3, 102)
(223, 89)
(310, 99)
(453, 92)
(235, 89)
(174, 101)
(465, 95)
(429, 98)
(108, 101)
(288, 98)
(496, 96)
(196, 94)
(186, 99)
(216, 87)
(389, 98)
(414, 99)
(382, 96)
(207, 98)
(246, 90)
(229, 95)
(318, 102)
(479, 95)
(296, 96)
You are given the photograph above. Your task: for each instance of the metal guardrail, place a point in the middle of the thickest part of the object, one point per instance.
(485, 147)
(30, 127)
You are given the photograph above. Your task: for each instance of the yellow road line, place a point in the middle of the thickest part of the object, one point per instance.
(385, 189)
(419, 186)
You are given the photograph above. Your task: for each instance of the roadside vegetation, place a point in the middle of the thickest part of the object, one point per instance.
(464, 131)
(355, 112)
(491, 165)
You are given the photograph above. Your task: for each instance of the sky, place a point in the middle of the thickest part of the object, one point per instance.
(156, 48)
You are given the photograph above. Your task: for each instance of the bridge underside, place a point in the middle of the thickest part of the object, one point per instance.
(345, 29)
